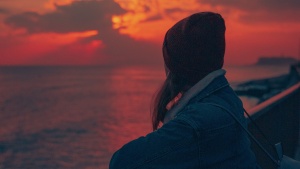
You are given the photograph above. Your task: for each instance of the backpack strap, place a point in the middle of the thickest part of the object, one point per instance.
(246, 130)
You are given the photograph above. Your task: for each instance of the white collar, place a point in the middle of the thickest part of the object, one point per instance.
(192, 92)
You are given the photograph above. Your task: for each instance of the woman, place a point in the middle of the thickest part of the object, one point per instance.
(197, 132)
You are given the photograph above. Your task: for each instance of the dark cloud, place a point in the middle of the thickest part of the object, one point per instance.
(76, 17)
(173, 10)
(262, 10)
(270, 5)
(4, 11)
(81, 16)
(153, 18)
(137, 52)
(119, 50)
(269, 17)
(147, 9)
(28, 20)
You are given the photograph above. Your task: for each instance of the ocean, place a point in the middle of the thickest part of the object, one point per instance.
(76, 117)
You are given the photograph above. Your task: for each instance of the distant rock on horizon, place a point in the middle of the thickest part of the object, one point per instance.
(276, 60)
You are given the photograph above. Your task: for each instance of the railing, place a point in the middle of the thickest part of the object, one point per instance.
(278, 118)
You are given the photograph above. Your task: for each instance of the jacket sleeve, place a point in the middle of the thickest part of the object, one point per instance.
(155, 148)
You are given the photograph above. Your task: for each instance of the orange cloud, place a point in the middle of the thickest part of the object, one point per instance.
(131, 31)
(151, 19)
(67, 23)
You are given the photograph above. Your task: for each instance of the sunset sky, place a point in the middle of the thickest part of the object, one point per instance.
(126, 32)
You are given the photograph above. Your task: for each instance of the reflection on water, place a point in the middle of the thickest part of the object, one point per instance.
(132, 91)
(60, 117)
(76, 117)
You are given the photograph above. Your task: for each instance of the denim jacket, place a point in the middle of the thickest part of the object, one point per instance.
(196, 134)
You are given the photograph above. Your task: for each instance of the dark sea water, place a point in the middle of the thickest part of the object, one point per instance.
(76, 117)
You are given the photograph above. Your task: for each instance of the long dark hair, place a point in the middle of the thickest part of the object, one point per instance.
(171, 87)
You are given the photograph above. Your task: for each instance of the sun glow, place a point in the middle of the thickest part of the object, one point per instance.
(150, 19)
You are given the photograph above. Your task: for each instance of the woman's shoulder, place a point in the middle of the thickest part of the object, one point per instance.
(206, 116)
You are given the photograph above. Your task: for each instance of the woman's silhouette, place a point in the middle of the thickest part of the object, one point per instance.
(195, 132)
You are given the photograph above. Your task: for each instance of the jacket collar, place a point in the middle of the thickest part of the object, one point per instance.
(197, 90)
